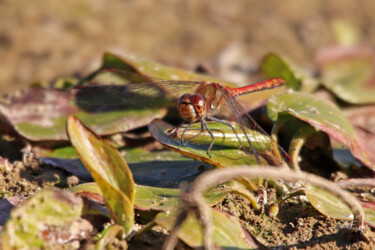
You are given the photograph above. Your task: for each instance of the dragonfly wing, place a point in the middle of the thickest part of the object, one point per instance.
(142, 95)
(257, 141)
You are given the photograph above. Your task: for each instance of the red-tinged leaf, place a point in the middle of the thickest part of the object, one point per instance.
(109, 170)
(369, 205)
(367, 141)
(40, 115)
(322, 116)
(90, 190)
(362, 116)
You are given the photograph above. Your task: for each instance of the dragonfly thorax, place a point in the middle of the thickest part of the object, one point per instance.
(192, 107)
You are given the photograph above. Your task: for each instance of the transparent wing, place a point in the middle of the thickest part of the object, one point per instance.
(122, 89)
(256, 141)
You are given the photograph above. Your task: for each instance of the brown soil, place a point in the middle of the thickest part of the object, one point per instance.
(298, 226)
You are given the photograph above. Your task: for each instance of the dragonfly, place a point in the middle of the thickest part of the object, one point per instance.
(197, 101)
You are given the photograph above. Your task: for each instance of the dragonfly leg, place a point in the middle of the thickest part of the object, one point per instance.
(190, 139)
(183, 133)
(228, 124)
(173, 131)
(212, 136)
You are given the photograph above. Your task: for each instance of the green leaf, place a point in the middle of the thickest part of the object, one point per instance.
(321, 115)
(227, 230)
(137, 155)
(48, 109)
(274, 65)
(109, 170)
(154, 69)
(67, 152)
(331, 206)
(224, 153)
(32, 225)
(161, 199)
(154, 198)
(349, 73)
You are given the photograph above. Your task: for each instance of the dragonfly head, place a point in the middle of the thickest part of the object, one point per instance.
(192, 107)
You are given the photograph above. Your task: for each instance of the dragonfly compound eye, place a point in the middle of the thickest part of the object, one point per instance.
(191, 107)
(186, 109)
(184, 99)
(199, 105)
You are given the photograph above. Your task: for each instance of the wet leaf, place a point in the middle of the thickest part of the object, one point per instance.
(333, 207)
(227, 230)
(321, 115)
(49, 218)
(109, 170)
(223, 154)
(154, 198)
(349, 72)
(274, 65)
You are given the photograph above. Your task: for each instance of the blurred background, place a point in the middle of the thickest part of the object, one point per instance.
(46, 39)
